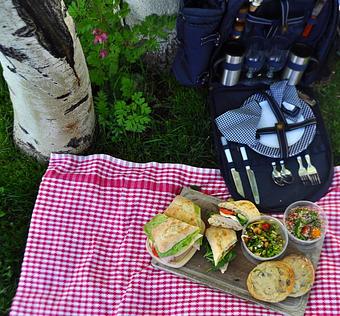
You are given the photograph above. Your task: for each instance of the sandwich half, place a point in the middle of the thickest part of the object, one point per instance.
(220, 250)
(235, 214)
(186, 211)
(171, 241)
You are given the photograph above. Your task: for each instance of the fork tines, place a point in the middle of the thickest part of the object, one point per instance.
(310, 174)
(302, 171)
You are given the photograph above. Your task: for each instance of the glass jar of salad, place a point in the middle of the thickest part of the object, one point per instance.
(305, 222)
(265, 238)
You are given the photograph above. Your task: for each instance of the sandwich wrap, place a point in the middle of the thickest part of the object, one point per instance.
(221, 243)
(171, 241)
(234, 215)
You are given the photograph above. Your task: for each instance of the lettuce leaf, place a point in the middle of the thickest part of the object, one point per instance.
(180, 245)
(228, 256)
(155, 221)
(197, 211)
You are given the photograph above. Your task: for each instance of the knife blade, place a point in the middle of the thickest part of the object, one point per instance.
(234, 173)
(251, 176)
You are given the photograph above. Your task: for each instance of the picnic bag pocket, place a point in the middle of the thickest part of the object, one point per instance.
(197, 36)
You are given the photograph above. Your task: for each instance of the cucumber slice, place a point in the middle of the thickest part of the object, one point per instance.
(242, 219)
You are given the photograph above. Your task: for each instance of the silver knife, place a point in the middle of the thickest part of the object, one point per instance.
(235, 174)
(251, 176)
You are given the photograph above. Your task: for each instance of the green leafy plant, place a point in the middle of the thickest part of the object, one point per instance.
(113, 52)
(132, 116)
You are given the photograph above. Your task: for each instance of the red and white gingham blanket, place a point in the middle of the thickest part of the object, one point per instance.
(86, 255)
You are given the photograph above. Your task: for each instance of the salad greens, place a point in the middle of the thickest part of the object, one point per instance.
(263, 239)
(304, 223)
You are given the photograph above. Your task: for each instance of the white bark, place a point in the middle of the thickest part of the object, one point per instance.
(51, 96)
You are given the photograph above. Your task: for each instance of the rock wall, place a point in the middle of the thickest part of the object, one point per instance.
(139, 10)
(142, 8)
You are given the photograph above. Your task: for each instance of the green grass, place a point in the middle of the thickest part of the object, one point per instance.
(329, 96)
(180, 132)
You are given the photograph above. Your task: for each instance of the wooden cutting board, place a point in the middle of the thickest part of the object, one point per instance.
(233, 281)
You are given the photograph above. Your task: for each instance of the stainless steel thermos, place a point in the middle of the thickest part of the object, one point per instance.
(297, 63)
(232, 66)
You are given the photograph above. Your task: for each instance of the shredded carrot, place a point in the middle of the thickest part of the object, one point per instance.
(316, 232)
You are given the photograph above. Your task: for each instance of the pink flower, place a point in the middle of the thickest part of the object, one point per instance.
(104, 37)
(103, 53)
(100, 38)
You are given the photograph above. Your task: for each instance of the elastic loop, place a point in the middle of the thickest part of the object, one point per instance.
(296, 67)
(232, 67)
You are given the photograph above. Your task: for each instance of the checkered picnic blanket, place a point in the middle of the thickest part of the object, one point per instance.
(85, 252)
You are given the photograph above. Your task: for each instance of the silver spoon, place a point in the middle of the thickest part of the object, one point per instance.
(286, 174)
(276, 176)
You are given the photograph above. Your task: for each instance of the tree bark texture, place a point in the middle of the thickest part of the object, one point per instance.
(46, 73)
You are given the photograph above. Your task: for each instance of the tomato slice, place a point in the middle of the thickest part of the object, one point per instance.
(226, 211)
(265, 226)
(154, 251)
(305, 231)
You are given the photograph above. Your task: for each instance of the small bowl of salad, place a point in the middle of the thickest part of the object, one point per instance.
(265, 238)
(306, 222)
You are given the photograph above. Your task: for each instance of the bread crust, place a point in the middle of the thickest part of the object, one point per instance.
(220, 240)
(184, 210)
(304, 273)
(170, 232)
(271, 281)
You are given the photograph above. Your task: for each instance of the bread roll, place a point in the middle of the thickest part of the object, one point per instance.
(271, 281)
(303, 273)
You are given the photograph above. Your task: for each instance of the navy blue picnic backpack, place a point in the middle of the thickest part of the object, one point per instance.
(259, 59)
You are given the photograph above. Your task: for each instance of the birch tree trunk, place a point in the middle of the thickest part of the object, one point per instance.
(45, 69)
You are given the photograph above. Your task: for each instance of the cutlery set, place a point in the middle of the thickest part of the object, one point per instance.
(308, 175)
(281, 175)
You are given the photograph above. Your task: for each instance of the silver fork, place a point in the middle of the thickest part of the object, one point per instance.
(312, 172)
(302, 171)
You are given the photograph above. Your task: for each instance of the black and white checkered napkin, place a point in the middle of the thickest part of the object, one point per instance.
(240, 125)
